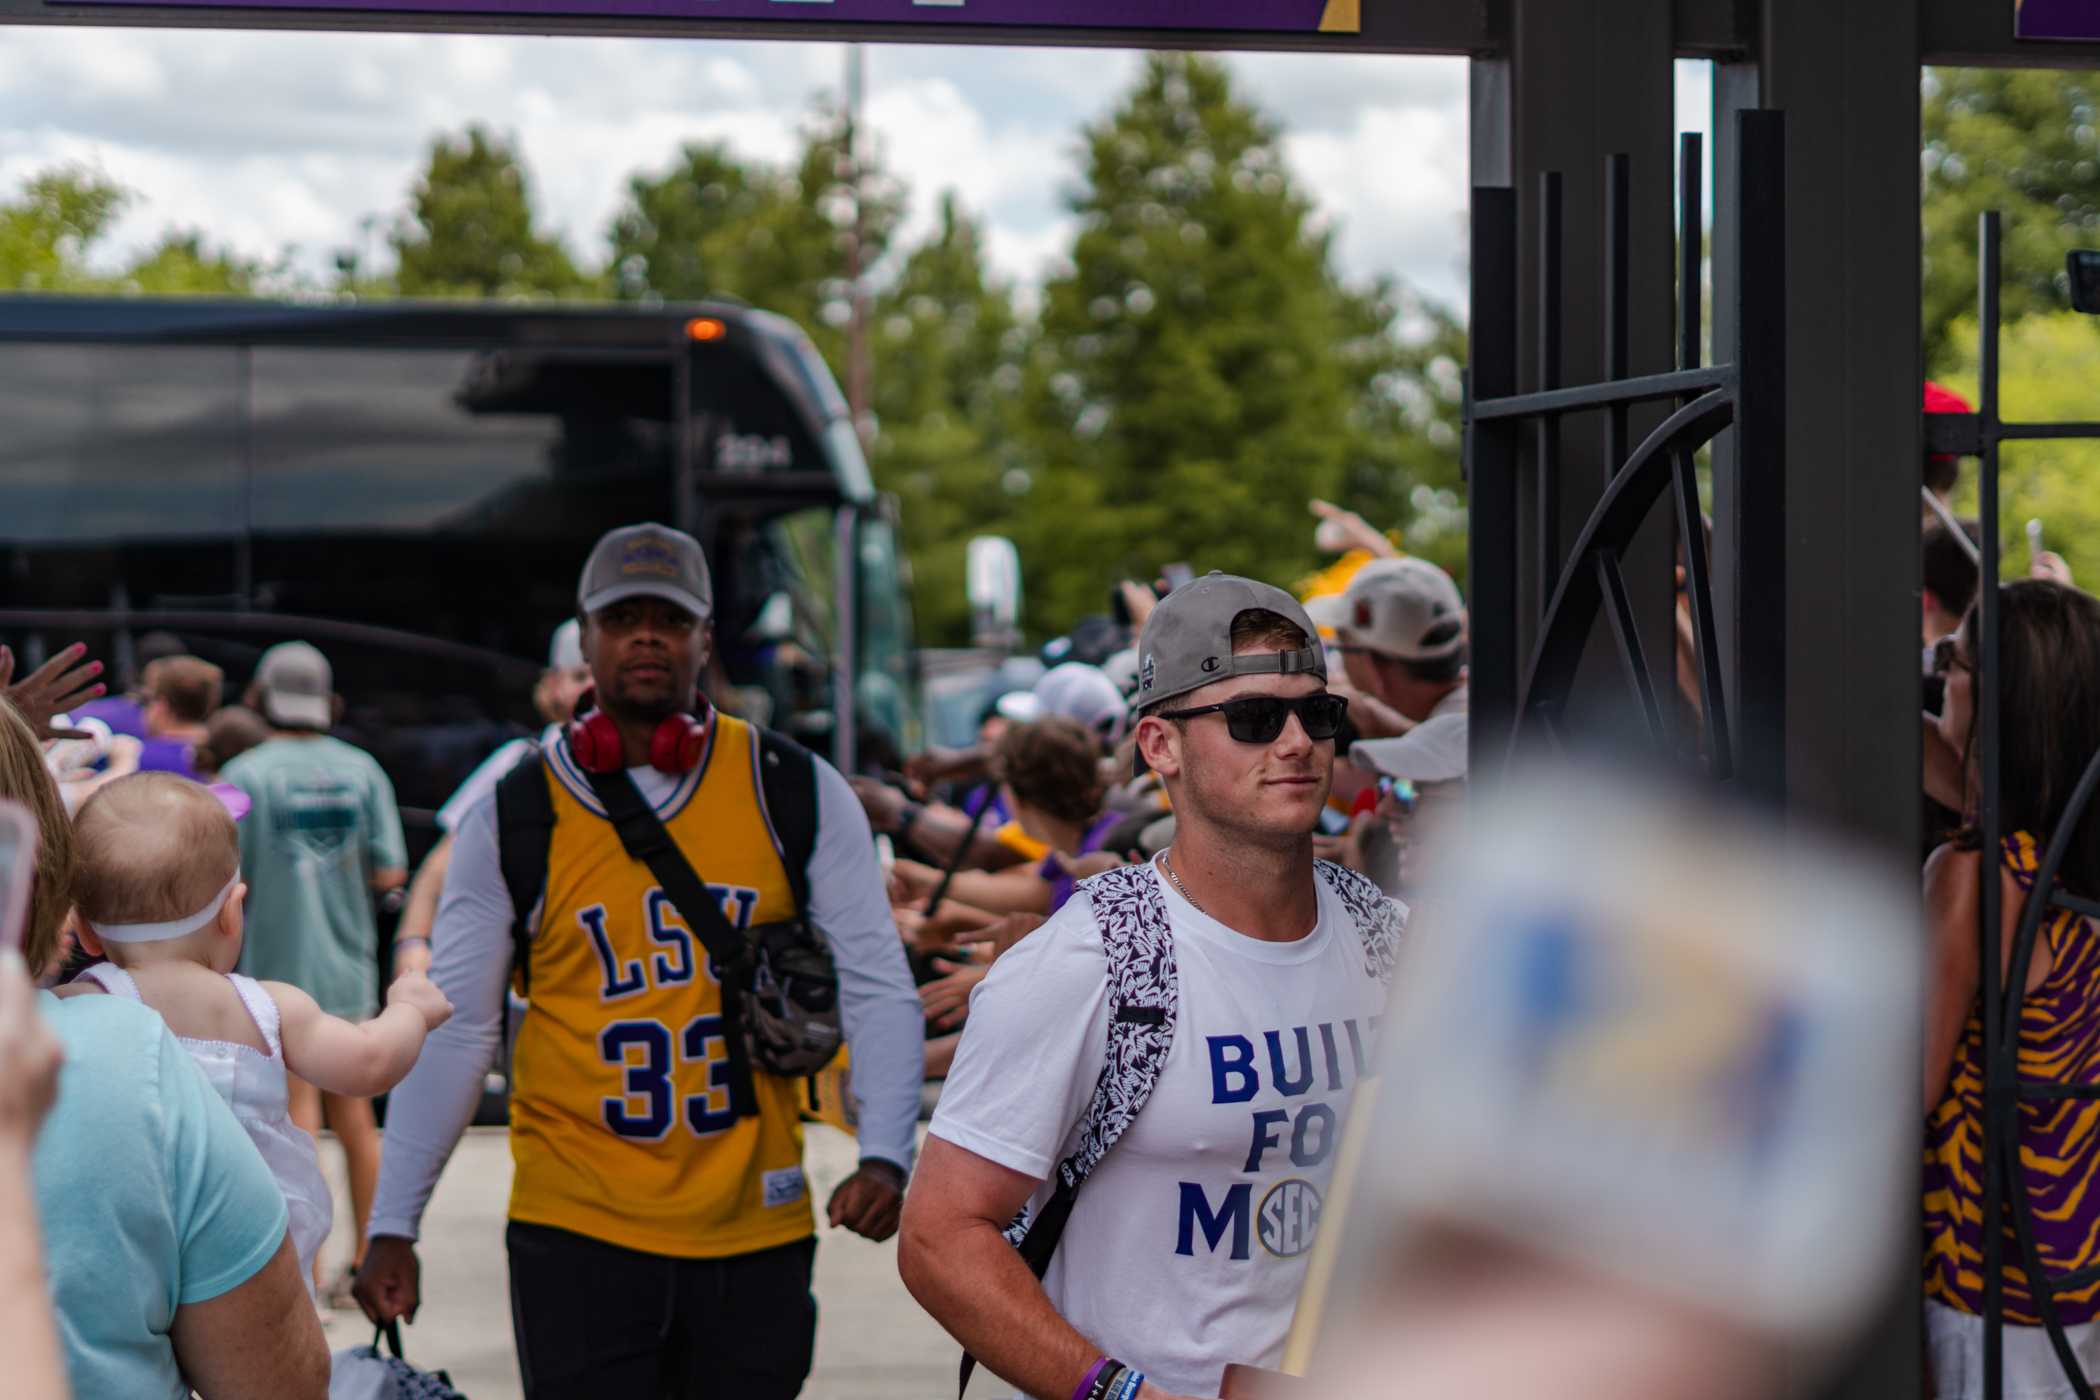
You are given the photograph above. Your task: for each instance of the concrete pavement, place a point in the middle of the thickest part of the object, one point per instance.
(873, 1342)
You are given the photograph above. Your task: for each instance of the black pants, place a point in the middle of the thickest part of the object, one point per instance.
(598, 1321)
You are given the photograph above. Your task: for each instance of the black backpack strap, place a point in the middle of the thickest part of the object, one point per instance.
(524, 828)
(787, 790)
(642, 833)
(1144, 1001)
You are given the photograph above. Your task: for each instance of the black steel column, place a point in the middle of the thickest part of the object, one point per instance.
(1580, 82)
(1846, 77)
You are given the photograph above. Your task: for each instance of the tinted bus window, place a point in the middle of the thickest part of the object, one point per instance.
(383, 440)
(108, 443)
(452, 442)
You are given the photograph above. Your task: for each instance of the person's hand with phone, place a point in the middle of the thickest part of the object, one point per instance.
(65, 681)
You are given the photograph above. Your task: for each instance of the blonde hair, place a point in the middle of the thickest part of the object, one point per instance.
(25, 779)
(153, 847)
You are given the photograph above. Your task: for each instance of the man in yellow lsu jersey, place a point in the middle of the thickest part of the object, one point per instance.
(661, 1233)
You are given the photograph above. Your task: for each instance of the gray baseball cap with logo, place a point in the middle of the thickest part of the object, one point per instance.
(295, 688)
(1187, 642)
(647, 561)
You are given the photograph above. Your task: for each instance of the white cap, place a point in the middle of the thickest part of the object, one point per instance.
(565, 651)
(1085, 694)
(1020, 706)
(297, 689)
(1404, 608)
(1652, 1040)
(1434, 751)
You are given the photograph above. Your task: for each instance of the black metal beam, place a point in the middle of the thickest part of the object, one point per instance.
(1979, 34)
(1580, 81)
(1646, 388)
(1445, 27)
(1491, 487)
(1846, 75)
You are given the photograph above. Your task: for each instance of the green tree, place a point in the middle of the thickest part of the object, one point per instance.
(47, 229)
(775, 237)
(947, 345)
(2027, 144)
(1202, 369)
(471, 230)
(182, 264)
(2048, 367)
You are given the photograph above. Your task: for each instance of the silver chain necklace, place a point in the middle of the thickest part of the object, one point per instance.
(1167, 863)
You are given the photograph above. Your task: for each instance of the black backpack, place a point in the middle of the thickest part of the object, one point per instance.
(753, 993)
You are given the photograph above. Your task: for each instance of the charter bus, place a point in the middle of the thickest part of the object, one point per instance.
(413, 488)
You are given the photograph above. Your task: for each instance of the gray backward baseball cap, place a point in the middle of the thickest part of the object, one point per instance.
(647, 561)
(1187, 642)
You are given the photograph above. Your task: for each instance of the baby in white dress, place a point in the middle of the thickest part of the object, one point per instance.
(160, 897)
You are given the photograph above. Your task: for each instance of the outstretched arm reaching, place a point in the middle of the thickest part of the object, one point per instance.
(353, 1058)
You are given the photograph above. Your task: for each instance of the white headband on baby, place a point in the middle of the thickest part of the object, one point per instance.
(168, 928)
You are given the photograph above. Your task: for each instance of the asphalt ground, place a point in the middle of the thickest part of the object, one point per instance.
(873, 1342)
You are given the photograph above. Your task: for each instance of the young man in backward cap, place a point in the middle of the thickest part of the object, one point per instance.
(1229, 986)
(660, 1231)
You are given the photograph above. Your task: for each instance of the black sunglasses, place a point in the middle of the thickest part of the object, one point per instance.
(1258, 719)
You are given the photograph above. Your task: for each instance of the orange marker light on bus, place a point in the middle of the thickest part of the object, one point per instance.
(705, 328)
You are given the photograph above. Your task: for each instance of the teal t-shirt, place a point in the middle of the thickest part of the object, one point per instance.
(323, 820)
(150, 1193)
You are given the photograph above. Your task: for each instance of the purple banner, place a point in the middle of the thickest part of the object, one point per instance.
(2057, 19)
(1300, 16)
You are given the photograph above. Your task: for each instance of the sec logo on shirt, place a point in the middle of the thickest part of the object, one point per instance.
(1288, 1218)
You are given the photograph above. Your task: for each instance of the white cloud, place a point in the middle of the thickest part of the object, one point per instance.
(264, 140)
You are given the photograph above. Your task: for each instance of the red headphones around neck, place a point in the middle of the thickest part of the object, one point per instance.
(675, 747)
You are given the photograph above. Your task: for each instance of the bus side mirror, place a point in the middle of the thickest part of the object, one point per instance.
(2084, 268)
(992, 569)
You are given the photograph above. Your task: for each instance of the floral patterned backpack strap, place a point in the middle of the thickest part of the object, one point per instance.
(1143, 998)
(1379, 920)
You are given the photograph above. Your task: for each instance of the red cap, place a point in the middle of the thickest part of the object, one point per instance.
(1940, 399)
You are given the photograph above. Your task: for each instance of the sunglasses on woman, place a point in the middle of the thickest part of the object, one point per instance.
(1258, 719)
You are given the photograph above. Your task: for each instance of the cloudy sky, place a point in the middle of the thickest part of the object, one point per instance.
(265, 141)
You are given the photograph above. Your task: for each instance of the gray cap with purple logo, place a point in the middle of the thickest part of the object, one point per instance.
(647, 561)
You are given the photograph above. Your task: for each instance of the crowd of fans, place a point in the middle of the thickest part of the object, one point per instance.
(204, 907)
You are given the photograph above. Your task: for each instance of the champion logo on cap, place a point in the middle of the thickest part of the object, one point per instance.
(1210, 664)
(649, 557)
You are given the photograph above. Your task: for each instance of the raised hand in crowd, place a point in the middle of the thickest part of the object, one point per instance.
(1138, 601)
(2051, 567)
(1002, 934)
(61, 683)
(1344, 530)
(947, 999)
(1373, 718)
(29, 1063)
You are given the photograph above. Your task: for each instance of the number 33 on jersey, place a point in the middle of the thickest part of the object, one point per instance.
(621, 1124)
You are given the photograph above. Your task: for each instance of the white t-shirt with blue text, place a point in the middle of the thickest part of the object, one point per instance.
(1186, 1249)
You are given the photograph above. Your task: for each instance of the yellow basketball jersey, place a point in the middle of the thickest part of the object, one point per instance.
(620, 1116)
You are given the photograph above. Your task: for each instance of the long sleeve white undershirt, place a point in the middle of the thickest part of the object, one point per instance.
(471, 957)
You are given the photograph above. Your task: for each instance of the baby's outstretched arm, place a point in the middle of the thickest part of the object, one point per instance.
(352, 1058)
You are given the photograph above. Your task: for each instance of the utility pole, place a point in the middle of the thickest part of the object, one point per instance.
(857, 368)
